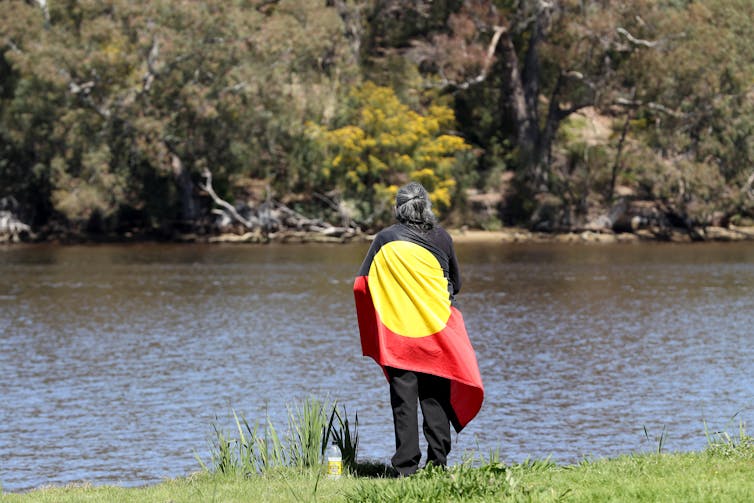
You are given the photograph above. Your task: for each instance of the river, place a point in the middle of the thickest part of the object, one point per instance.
(116, 359)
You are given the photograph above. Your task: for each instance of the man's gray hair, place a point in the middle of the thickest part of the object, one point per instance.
(413, 207)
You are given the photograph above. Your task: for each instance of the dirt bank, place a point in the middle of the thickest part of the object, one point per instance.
(519, 235)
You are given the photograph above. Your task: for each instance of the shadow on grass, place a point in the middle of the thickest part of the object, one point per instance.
(374, 469)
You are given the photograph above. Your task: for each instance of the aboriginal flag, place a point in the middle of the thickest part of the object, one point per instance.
(407, 320)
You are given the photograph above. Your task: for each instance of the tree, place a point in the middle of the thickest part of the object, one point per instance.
(695, 104)
(519, 70)
(118, 107)
(112, 111)
(549, 59)
(385, 143)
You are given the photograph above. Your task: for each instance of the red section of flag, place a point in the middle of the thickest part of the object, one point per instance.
(447, 353)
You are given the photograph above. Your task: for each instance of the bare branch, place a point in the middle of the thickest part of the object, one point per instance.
(651, 44)
(152, 72)
(83, 92)
(637, 41)
(619, 148)
(488, 60)
(229, 209)
(45, 10)
(11, 228)
(574, 75)
(491, 49)
(631, 103)
(749, 187)
(625, 102)
(85, 88)
(339, 206)
(330, 202)
(272, 214)
(662, 108)
(13, 46)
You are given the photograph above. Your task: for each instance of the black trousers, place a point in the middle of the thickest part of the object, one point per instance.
(433, 395)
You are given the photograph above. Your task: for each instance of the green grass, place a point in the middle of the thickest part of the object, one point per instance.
(709, 475)
(723, 471)
(284, 484)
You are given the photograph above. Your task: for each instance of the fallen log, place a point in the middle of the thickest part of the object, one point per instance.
(273, 219)
(12, 230)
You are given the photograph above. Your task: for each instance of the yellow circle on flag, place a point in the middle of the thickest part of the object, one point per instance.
(409, 289)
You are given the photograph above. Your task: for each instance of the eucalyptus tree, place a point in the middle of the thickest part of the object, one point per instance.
(117, 107)
(672, 77)
(525, 67)
(695, 111)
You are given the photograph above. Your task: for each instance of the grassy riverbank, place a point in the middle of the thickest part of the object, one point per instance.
(257, 464)
(716, 474)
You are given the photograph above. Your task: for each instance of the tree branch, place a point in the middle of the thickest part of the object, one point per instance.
(152, 72)
(650, 44)
(562, 113)
(83, 92)
(631, 103)
(271, 214)
(637, 41)
(486, 65)
(619, 148)
(749, 186)
(45, 10)
(229, 209)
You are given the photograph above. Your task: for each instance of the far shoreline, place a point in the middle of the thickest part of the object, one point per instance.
(504, 235)
(521, 235)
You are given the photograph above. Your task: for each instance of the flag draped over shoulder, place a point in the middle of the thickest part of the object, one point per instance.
(407, 320)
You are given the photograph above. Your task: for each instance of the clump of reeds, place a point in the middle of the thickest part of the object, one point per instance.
(722, 443)
(311, 427)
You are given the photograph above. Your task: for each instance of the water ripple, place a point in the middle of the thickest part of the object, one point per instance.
(116, 359)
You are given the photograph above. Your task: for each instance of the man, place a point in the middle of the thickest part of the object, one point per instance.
(405, 302)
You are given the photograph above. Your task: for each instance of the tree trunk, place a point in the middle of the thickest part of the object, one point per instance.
(619, 149)
(186, 191)
(521, 86)
(353, 29)
(525, 123)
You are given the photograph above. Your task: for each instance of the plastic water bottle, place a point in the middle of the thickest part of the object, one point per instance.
(334, 462)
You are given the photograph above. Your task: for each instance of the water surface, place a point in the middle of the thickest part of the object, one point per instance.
(115, 360)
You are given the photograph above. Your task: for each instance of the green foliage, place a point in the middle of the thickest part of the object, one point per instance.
(311, 428)
(111, 110)
(702, 133)
(385, 144)
(346, 437)
(118, 106)
(581, 171)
